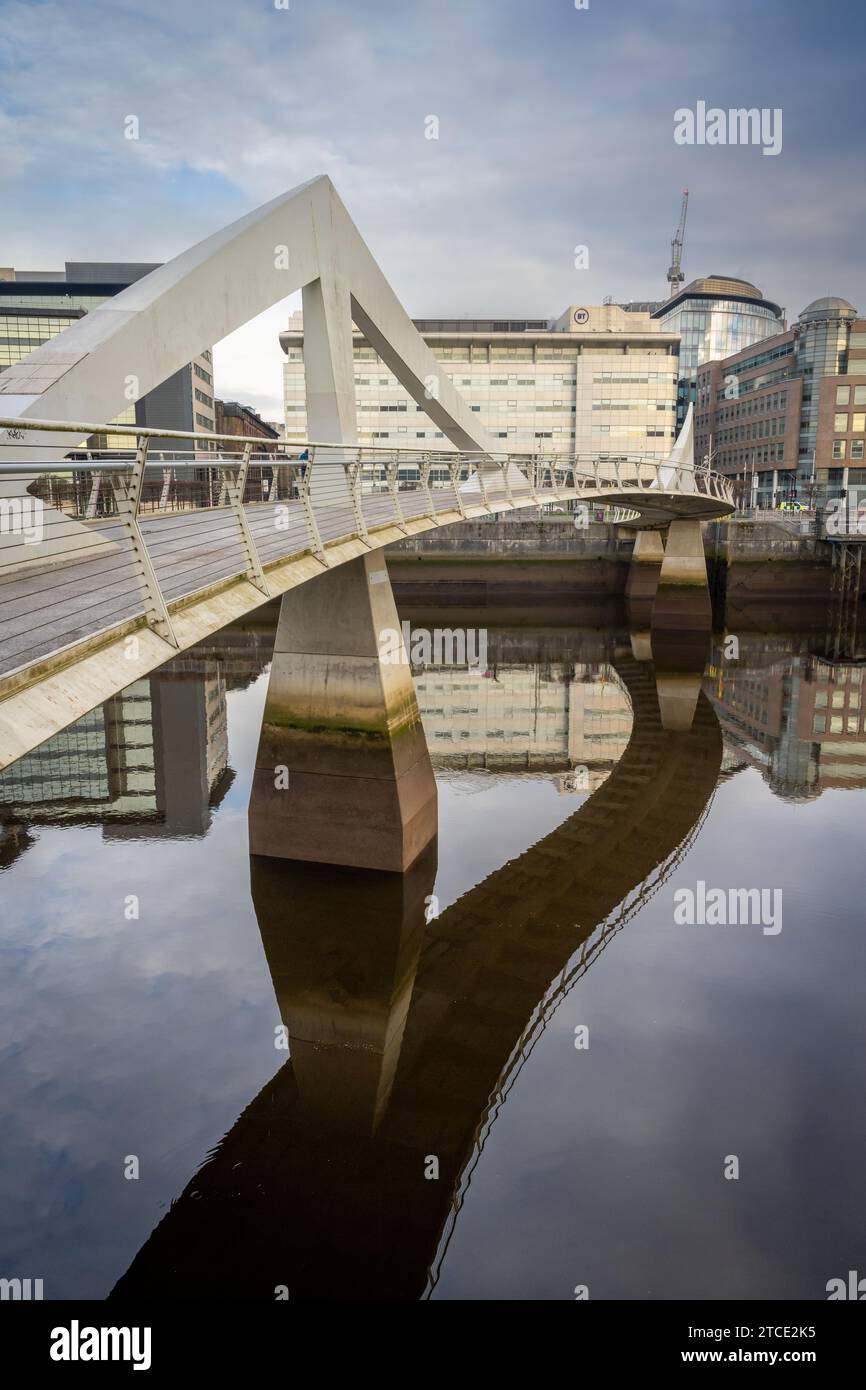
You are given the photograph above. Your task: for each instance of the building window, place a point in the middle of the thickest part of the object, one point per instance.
(840, 423)
(858, 423)
(838, 448)
(856, 448)
(860, 395)
(819, 724)
(843, 395)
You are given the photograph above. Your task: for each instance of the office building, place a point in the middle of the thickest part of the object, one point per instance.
(597, 381)
(37, 305)
(787, 416)
(714, 317)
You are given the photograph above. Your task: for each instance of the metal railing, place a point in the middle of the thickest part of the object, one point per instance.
(95, 540)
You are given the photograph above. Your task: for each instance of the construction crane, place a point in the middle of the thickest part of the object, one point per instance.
(675, 274)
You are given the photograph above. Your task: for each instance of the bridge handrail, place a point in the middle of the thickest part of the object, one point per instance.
(592, 466)
(119, 539)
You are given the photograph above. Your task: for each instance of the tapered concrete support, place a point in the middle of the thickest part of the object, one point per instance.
(679, 657)
(343, 775)
(682, 600)
(640, 589)
(342, 946)
(646, 563)
(641, 643)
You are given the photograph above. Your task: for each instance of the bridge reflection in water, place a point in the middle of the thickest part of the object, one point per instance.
(405, 1036)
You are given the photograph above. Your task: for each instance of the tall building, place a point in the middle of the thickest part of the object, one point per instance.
(790, 410)
(714, 317)
(36, 305)
(597, 381)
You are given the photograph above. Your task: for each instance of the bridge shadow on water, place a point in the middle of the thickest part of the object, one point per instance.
(405, 1035)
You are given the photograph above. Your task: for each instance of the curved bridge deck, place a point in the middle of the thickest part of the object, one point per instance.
(167, 551)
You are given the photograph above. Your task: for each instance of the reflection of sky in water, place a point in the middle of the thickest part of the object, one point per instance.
(604, 1167)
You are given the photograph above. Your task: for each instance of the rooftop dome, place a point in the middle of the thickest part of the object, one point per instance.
(830, 307)
(718, 287)
(721, 282)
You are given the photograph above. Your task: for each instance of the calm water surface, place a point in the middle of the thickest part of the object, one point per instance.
(523, 1007)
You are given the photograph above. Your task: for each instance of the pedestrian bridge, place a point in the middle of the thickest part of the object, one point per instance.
(113, 560)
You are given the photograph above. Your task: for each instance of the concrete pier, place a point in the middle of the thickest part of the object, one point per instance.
(679, 657)
(343, 775)
(682, 601)
(342, 947)
(646, 563)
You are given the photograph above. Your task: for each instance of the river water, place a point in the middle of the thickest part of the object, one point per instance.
(540, 1066)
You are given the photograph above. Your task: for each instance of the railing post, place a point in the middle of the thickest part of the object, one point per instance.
(355, 476)
(425, 483)
(394, 491)
(235, 485)
(532, 477)
(508, 493)
(128, 508)
(482, 486)
(93, 499)
(309, 515)
(454, 474)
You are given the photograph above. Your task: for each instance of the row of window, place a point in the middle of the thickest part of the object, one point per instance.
(764, 405)
(761, 429)
(481, 353)
(840, 449)
(526, 433)
(625, 380)
(632, 432)
(843, 395)
(633, 405)
(773, 453)
(202, 374)
(850, 724)
(857, 425)
(204, 398)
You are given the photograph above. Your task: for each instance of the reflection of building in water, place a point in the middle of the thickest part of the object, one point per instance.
(801, 721)
(832, 718)
(102, 765)
(539, 717)
(152, 760)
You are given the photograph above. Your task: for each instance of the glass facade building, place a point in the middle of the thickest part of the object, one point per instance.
(35, 306)
(824, 329)
(715, 317)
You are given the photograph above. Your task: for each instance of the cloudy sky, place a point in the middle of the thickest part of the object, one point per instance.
(555, 130)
